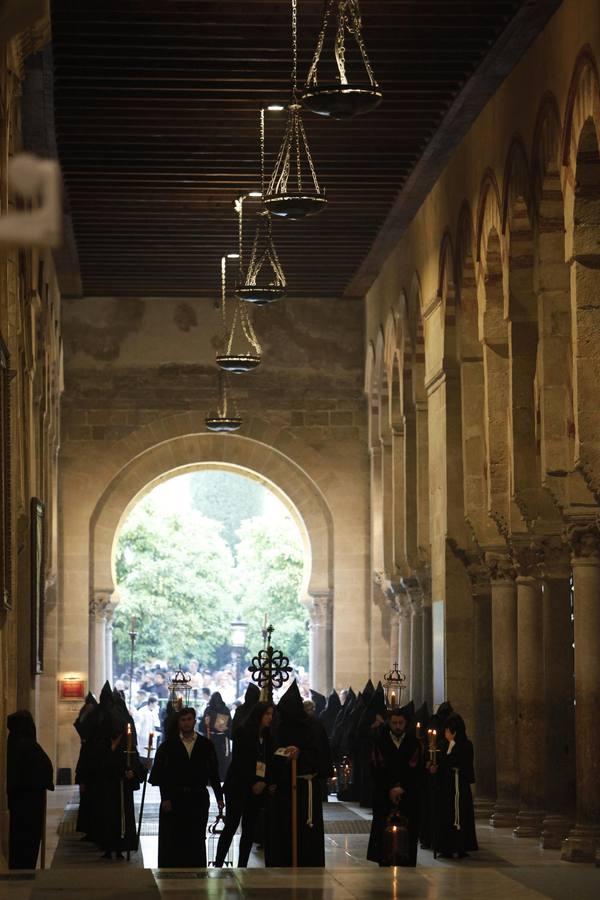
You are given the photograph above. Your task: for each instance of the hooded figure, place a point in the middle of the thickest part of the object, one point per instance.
(330, 713)
(251, 698)
(296, 736)
(370, 722)
(85, 725)
(320, 702)
(353, 739)
(341, 745)
(453, 776)
(29, 775)
(217, 728)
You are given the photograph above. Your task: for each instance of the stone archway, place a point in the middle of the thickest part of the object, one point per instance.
(186, 452)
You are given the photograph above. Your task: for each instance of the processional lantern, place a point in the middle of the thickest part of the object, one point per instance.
(394, 683)
(228, 359)
(294, 191)
(226, 418)
(180, 688)
(343, 99)
(270, 669)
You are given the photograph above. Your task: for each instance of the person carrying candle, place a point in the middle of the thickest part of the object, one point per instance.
(397, 778)
(454, 827)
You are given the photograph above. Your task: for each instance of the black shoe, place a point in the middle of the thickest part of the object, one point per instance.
(119, 856)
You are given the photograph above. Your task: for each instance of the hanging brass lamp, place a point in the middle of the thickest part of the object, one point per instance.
(294, 191)
(227, 418)
(343, 99)
(227, 359)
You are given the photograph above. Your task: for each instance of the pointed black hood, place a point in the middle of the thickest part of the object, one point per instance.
(319, 700)
(20, 724)
(106, 696)
(330, 713)
(408, 711)
(216, 704)
(251, 698)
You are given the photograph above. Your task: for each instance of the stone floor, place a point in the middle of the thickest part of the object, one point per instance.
(504, 869)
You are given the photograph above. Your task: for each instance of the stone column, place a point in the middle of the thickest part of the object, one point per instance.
(427, 656)
(558, 695)
(404, 661)
(320, 610)
(504, 664)
(395, 634)
(483, 699)
(97, 660)
(108, 642)
(416, 649)
(582, 841)
(530, 691)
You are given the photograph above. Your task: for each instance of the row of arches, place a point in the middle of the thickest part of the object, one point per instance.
(484, 463)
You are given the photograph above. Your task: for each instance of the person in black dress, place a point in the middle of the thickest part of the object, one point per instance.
(184, 764)
(455, 818)
(246, 781)
(397, 785)
(29, 775)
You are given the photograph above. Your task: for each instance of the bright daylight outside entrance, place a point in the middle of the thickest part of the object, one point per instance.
(201, 560)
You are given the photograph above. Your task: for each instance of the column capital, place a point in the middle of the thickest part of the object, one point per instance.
(555, 563)
(320, 606)
(480, 577)
(527, 554)
(584, 539)
(501, 566)
(101, 605)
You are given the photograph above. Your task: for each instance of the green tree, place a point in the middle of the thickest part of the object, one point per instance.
(175, 576)
(270, 562)
(227, 497)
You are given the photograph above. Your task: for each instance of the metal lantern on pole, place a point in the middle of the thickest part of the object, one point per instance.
(394, 683)
(180, 687)
(342, 99)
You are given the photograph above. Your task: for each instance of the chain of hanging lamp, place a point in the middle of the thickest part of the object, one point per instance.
(227, 417)
(344, 99)
(280, 198)
(240, 314)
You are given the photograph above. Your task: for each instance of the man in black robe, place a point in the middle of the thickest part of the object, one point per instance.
(296, 737)
(397, 783)
(185, 764)
(29, 775)
(330, 713)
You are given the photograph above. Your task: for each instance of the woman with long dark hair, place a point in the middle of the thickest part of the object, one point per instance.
(246, 781)
(454, 833)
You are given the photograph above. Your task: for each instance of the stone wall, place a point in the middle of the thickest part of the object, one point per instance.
(139, 379)
(30, 331)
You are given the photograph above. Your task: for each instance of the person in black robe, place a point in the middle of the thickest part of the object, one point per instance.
(354, 739)
(324, 747)
(84, 725)
(453, 776)
(370, 722)
(339, 745)
(397, 784)
(251, 698)
(29, 775)
(246, 781)
(295, 737)
(320, 702)
(217, 728)
(330, 713)
(117, 772)
(184, 765)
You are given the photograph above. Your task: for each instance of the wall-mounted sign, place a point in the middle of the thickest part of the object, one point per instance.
(71, 689)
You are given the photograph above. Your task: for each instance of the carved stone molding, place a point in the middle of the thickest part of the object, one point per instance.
(584, 538)
(501, 567)
(528, 555)
(556, 562)
(320, 609)
(101, 606)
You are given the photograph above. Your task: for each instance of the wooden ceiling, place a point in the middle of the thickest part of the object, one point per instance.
(156, 115)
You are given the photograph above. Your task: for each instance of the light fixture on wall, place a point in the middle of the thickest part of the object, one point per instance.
(227, 418)
(294, 191)
(342, 99)
(227, 358)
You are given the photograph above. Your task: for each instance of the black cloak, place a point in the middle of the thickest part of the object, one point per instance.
(29, 775)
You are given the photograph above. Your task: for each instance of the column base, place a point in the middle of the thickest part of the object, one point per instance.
(529, 823)
(555, 828)
(581, 844)
(484, 807)
(503, 816)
